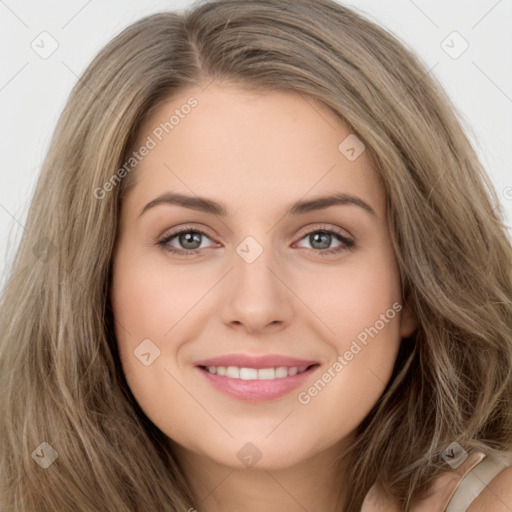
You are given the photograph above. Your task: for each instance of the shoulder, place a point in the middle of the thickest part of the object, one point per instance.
(436, 498)
(496, 496)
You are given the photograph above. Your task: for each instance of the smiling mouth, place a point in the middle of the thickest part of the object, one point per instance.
(256, 384)
(247, 373)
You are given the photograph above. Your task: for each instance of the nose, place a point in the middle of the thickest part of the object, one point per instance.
(257, 295)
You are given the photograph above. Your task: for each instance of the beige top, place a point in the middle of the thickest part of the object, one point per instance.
(453, 491)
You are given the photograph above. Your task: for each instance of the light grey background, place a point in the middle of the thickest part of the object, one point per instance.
(33, 89)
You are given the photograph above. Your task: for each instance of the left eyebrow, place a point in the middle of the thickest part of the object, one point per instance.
(298, 208)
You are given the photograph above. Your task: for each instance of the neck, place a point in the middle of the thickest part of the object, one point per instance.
(311, 484)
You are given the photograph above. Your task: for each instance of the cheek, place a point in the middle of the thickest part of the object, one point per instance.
(365, 348)
(148, 299)
(361, 308)
(350, 298)
(142, 304)
(146, 304)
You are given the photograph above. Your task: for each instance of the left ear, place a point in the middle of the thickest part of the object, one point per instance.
(408, 322)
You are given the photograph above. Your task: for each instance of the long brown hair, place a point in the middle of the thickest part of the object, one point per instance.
(61, 380)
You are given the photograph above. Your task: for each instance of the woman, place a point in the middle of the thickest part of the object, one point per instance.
(263, 269)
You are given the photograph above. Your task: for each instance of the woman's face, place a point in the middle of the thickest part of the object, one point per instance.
(277, 271)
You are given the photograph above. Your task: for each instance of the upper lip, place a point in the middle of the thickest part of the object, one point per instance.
(258, 362)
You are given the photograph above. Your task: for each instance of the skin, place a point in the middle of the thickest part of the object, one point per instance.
(256, 153)
(497, 496)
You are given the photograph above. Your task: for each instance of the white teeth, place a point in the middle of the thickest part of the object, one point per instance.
(266, 373)
(248, 373)
(234, 372)
(281, 371)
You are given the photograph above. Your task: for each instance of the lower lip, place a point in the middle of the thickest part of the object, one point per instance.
(257, 390)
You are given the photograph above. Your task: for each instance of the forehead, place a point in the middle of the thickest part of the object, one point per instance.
(248, 146)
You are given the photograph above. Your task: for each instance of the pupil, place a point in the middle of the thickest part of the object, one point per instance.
(187, 238)
(321, 237)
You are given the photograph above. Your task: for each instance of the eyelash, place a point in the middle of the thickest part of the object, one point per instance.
(347, 244)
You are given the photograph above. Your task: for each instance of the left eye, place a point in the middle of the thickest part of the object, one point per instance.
(323, 239)
(190, 241)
